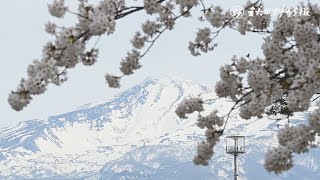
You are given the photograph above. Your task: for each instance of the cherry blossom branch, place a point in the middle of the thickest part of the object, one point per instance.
(235, 107)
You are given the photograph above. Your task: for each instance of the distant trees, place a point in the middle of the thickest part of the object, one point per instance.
(284, 81)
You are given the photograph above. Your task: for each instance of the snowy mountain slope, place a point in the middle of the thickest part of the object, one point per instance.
(80, 142)
(173, 161)
(136, 135)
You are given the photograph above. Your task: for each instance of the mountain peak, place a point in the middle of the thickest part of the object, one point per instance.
(154, 84)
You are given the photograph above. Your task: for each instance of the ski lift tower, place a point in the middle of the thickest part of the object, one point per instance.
(235, 145)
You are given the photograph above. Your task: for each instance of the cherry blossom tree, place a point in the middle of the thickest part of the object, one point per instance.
(282, 82)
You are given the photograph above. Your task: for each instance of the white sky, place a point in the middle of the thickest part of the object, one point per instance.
(22, 37)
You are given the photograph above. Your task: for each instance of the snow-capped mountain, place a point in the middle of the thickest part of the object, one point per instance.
(136, 135)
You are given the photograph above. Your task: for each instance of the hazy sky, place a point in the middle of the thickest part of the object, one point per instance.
(22, 37)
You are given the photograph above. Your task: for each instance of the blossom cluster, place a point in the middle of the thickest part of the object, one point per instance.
(57, 8)
(292, 139)
(201, 42)
(278, 159)
(212, 123)
(188, 106)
